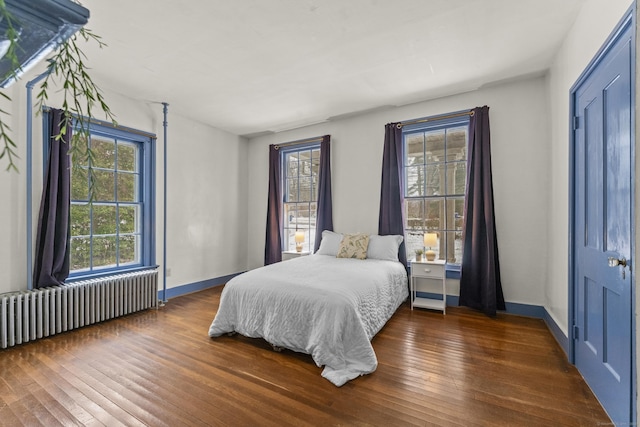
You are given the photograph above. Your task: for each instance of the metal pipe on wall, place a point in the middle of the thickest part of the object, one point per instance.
(164, 216)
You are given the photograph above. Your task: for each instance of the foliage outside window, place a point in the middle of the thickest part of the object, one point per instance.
(301, 167)
(435, 169)
(113, 231)
(67, 69)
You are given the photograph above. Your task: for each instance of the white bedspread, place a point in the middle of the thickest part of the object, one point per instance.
(320, 305)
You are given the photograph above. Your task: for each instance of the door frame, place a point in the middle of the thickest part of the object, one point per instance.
(628, 20)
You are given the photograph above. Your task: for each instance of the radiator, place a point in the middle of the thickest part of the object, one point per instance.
(29, 315)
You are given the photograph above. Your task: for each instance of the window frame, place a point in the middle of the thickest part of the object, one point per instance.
(146, 143)
(284, 151)
(435, 123)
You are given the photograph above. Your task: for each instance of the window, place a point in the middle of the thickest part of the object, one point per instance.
(301, 167)
(435, 169)
(114, 232)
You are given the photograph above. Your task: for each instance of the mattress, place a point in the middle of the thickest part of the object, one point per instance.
(327, 307)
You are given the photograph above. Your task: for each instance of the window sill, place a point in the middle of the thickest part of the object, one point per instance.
(97, 275)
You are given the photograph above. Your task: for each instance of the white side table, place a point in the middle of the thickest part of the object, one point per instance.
(292, 254)
(428, 271)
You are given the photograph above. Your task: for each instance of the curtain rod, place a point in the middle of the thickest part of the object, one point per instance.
(430, 119)
(111, 125)
(299, 142)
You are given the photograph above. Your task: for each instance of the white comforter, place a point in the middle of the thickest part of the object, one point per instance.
(324, 306)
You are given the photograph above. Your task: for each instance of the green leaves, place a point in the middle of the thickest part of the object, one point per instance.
(81, 96)
(11, 36)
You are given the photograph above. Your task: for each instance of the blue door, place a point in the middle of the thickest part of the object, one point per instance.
(602, 227)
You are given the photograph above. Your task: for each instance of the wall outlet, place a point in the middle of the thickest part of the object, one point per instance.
(168, 273)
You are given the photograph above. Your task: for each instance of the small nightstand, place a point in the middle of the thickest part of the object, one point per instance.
(293, 254)
(428, 271)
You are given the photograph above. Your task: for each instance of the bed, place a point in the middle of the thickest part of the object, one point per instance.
(327, 307)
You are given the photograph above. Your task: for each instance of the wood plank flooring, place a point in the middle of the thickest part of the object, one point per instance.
(159, 368)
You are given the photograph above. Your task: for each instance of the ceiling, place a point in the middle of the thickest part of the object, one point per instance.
(257, 66)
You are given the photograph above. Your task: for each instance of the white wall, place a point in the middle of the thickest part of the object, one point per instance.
(207, 186)
(596, 21)
(206, 227)
(12, 210)
(519, 131)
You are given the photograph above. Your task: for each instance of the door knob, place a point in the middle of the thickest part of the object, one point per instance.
(614, 262)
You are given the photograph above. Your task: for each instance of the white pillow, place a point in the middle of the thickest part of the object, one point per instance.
(330, 243)
(384, 247)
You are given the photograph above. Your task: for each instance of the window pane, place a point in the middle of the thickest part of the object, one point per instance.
(289, 215)
(127, 157)
(415, 181)
(104, 219)
(315, 163)
(313, 212)
(304, 193)
(80, 220)
(80, 254)
(314, 188)
(454, 247)
(414, 241)
(128, 219)
(435, 146)
(414, 152)
(434, 214)
(435, 180)
(290, 241)
(305, 167)
(291, 161)
(459, 181)
(128, 250)
(302, 219)
(104, 251)
(455, 213)
(456, 177)
(104, 152)
(104, 190)
(292, 190)
(415, 214)
(457, 144)
(79, 144)
(127, 187)
(79, 184)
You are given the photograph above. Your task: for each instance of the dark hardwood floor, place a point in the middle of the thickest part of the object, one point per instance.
(159, 368)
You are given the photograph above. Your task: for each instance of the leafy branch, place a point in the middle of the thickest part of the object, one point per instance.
(11, 35)
(80, 97)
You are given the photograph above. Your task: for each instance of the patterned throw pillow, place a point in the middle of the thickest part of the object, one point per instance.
(354, 246)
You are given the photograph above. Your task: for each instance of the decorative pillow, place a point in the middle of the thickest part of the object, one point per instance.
(384, 247)
(354, 246)
(330, 243)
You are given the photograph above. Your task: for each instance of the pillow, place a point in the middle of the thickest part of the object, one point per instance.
(329, 243)
(384, 247)
(353, 246)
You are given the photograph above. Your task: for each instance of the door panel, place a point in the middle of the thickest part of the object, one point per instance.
(602, 227)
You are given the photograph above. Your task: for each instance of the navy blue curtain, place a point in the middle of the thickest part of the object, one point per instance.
(480, 285)
(273, 239)
(51, 266)
(324, 215)
(391, 219)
